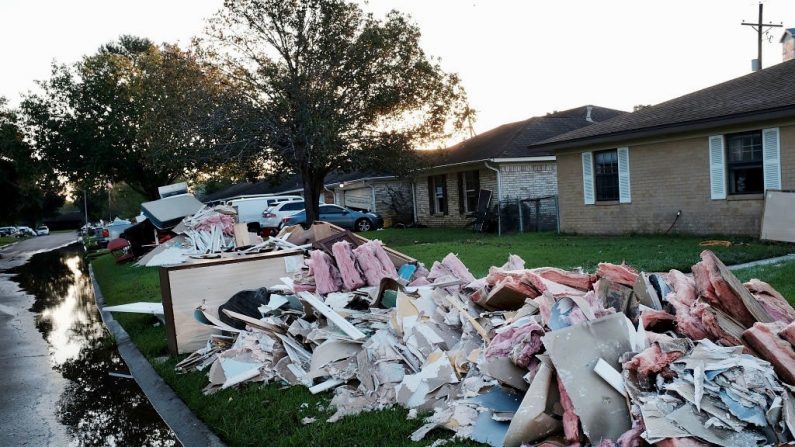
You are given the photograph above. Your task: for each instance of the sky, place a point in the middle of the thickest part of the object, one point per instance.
(516, 59)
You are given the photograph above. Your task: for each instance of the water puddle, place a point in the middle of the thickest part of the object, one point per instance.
(97, 408)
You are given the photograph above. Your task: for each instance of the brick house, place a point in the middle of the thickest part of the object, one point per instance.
(499, 161)
(696, 164)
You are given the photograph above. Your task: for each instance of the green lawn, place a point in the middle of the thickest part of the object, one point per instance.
(271, 414)
(645, 252)
(5, 240)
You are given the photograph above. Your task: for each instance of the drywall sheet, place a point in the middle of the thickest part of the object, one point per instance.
(212, 283)
(778, 217)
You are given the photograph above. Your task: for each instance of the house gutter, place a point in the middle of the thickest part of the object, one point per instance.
(495, 160)
(499, 196)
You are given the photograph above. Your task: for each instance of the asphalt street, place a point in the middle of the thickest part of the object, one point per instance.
(29, 385)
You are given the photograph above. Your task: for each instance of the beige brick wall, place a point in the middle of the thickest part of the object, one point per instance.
(527, 180)
(666, 176)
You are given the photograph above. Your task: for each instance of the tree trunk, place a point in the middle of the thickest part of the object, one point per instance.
(313, 188)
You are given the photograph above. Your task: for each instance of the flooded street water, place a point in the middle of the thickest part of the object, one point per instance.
(93, 407)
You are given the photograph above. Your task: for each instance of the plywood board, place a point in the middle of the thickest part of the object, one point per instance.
(184, 287)
(778, 216)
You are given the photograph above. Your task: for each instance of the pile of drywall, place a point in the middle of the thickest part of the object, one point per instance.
(529, 356)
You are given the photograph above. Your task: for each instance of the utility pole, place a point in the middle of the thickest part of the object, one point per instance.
(760, 29)
(85, 206)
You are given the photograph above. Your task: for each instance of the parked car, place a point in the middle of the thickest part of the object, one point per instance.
(273, 216)
(8, 231)
(25, 232)
(340, 216)
(249, 209)
(42, 230)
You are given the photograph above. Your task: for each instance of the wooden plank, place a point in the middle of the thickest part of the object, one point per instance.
(332, 316)
(212, 283)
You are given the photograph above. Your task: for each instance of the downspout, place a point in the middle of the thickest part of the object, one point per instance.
(414, 201)
(499, 197)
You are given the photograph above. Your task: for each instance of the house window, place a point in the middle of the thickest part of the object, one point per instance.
(606, 175)
(437, 193)
(469, 190)
(744, 163)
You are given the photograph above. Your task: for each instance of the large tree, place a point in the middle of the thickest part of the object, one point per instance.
(28, 187)
(137, 113)
(335, 88)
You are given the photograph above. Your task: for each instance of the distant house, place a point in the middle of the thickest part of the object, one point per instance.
(499, 161)
(366, 191)
(788, 44)
(699, 163)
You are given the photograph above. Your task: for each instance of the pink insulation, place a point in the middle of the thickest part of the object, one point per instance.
(681, 442)
(421, 281)
(224, 222)
(343, 255)
(763, 337)
(514, 263)
(683, 286)
(571, 422)
(686, 324)
(652, 360)
(775, 304)
(622, 274)
(453, 266)
(327, 277)
(378, 249)
(553, 288)
(710, 324)
(716, 291)
(631, 438)
(520, 343)
(650, 318)
(788, 333)
(372, 267)
(580, 281)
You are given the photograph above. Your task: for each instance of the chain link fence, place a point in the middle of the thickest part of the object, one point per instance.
(522, 215)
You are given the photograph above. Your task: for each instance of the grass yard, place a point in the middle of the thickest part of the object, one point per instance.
(5, 240)
(271, 414)
(645, 252)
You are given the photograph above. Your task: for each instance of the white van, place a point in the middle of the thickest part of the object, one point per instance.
(249, 210)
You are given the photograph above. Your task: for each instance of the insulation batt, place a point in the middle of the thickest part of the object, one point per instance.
(544, 285)
(378, 250)
(514, 263)
(682, 297)
(763, 337)
(622, 274)
(683, 286)
(577, 316)
(451, 265)
(571, 422)
(710, 324)
(788, 333)
(327, 277)
(343, 255)
(652, 360)
(716, 291)
(651, 318)
(580, 281)
(775, 304)
(371, 265)
(520, 343)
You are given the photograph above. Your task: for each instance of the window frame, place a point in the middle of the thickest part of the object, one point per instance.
(440, 202)
(598, 178)
(472, 193)
(733, 166)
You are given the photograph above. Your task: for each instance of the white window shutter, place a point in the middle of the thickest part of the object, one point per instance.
(771, 158)
(587, 178)
(717, 168)
(624, 195)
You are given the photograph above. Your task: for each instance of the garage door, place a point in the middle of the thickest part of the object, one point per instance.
(361, 198)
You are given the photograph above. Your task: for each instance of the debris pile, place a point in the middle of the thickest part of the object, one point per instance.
(539, 356)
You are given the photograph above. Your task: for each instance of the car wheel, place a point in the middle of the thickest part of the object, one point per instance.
(363, 225)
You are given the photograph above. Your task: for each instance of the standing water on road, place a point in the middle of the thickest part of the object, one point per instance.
(95, 407)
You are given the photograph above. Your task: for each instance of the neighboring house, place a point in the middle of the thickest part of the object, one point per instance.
(498, 161)
(788, 44)
(366, 191)
(708, 156)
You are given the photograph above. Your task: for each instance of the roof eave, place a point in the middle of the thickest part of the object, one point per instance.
(656, 131)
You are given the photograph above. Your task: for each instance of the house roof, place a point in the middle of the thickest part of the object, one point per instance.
(765, 94)
(512, 140)
(292, 183)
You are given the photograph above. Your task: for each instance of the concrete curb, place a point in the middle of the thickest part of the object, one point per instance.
(189, 430)
(768, 261)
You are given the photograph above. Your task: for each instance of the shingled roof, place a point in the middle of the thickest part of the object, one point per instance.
(512, 140)
(765, 94)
